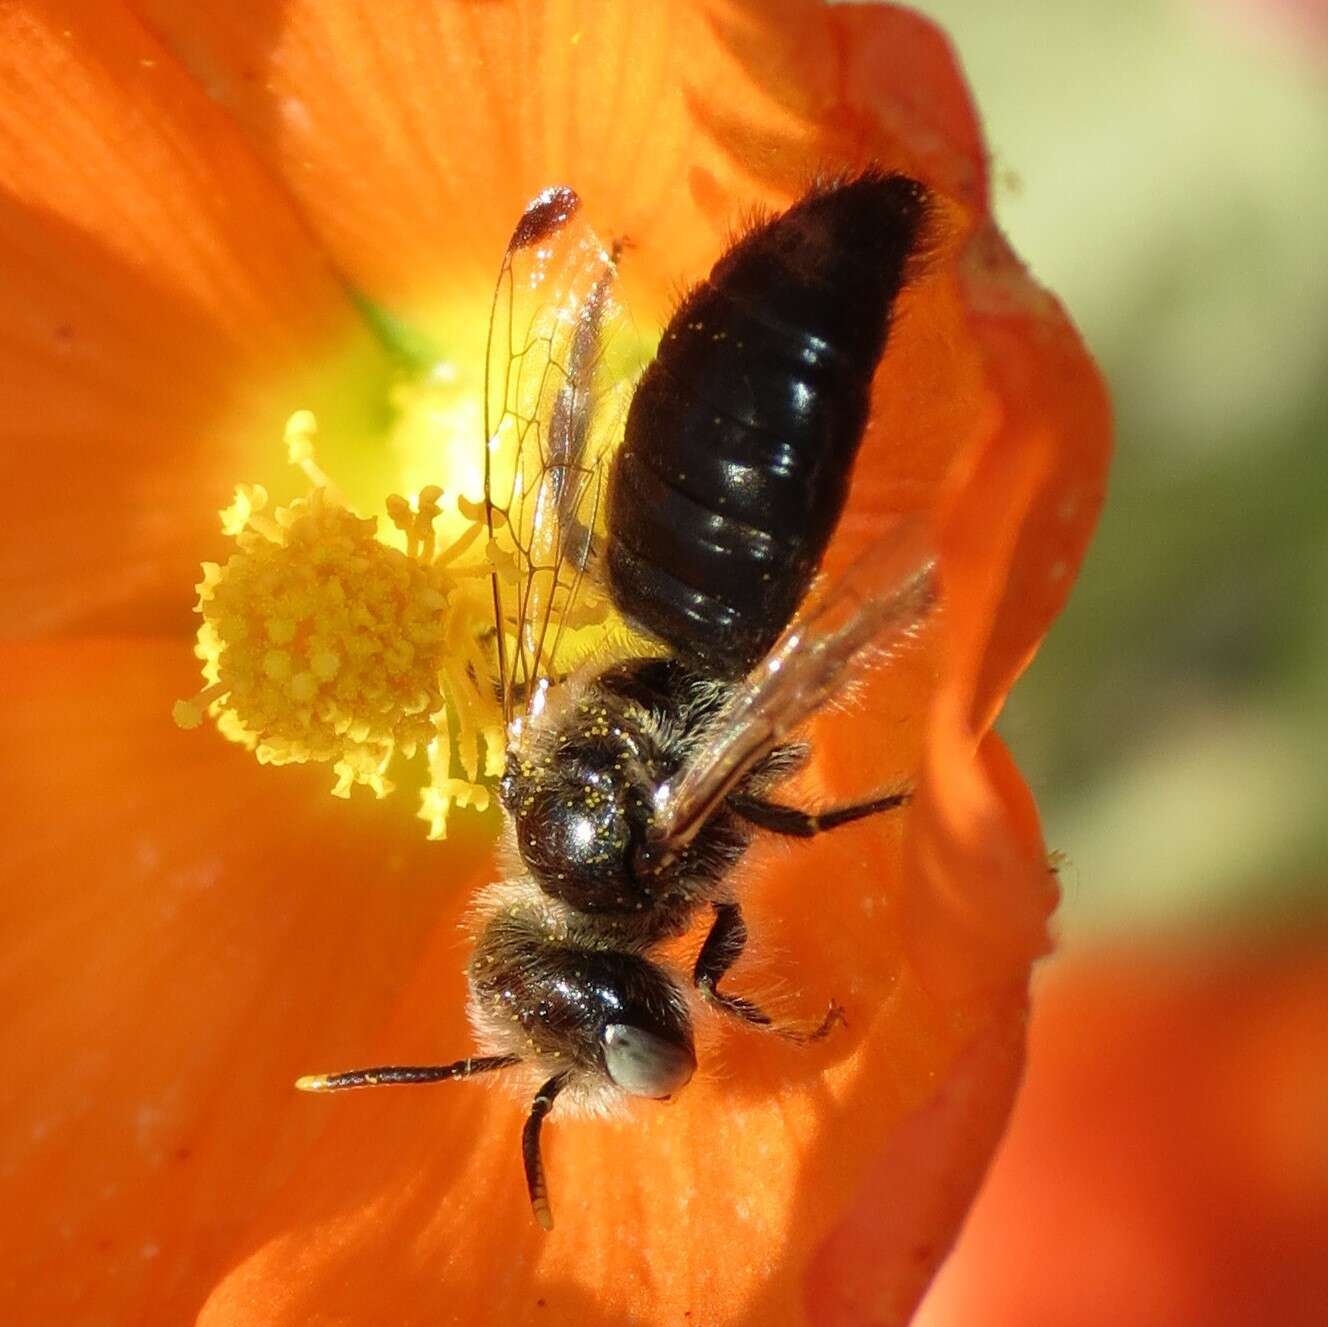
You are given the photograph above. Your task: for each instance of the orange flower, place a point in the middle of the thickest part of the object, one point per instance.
(201, 205)
(1166, 1160)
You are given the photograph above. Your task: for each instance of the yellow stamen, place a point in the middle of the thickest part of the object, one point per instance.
(189, 713)
(301, 429)
(322, 643)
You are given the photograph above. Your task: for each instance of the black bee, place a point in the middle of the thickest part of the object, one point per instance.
(632, 788)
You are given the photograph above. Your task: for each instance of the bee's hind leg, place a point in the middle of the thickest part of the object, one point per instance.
(789, 820)
(727, 938)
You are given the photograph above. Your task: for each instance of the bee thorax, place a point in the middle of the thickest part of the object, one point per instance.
(581, 792)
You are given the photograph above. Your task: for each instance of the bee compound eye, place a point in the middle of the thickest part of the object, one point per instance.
(644, 1063)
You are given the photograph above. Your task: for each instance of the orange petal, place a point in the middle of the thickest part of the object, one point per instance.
(1015, 521)
(765, 1175)
(183, 936)
(413, 134)
(1166, 1162)
(161, 310)
(880, 1259)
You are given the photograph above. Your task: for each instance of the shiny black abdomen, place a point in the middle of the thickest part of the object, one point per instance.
(741, 436)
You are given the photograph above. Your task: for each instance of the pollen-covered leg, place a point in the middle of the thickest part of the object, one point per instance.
(394, 1075)
(530, 1149)
(722, 947)
(795, 823)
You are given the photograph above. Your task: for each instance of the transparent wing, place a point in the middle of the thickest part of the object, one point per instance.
(883, 598)
(552, 416)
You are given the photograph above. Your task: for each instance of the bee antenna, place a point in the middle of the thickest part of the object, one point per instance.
(392, 1075)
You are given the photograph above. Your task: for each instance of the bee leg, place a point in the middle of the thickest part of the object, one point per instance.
(789, 820)
(728, 936)
(530, 1149)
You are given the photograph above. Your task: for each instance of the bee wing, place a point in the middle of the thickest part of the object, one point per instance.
(548, 429)
(883, 598)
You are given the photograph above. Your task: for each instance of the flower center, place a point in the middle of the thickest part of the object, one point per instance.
(321, 642)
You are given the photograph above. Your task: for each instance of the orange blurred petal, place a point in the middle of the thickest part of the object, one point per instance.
(1166, 1161)
(161, 309)
(180, 938)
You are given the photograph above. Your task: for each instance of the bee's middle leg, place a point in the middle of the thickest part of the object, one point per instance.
(722, 947)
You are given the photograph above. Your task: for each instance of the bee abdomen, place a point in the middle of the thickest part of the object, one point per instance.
(742, 434)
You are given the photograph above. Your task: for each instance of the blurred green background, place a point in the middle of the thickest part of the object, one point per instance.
(1163, 166)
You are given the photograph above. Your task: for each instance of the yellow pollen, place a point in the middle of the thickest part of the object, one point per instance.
(320, 642)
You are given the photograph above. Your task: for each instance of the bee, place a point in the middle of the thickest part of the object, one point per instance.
(633, 787)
